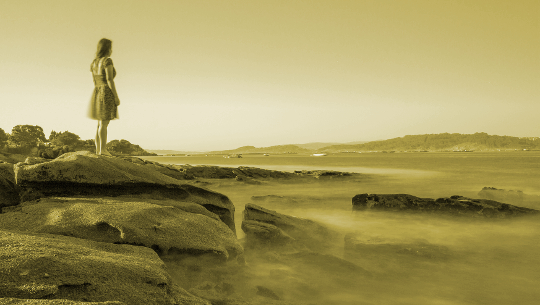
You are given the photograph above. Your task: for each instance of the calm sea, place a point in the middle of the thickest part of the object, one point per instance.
(487, 261)
(421, 174)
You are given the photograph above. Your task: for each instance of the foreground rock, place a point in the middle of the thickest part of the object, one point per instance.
(84, 173)
(44, 266)
(165, 226)
(455, 205)
(267, 227)
(9, 194)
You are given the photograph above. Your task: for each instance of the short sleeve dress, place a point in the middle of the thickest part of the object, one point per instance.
(102, 104)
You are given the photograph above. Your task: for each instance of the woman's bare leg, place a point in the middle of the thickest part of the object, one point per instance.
(102, 131)
(98, 141)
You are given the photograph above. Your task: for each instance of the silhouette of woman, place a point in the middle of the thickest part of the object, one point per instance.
(104, 102)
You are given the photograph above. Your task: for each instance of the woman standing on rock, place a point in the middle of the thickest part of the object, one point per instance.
(104, 102)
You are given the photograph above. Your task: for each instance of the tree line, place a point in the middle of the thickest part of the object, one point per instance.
(30, 139)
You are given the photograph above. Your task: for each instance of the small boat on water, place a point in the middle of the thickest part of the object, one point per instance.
(319, 155)
(266, 155)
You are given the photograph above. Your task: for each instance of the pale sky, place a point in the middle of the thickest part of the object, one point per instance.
(212, 75)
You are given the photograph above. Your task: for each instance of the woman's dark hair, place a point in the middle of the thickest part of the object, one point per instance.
(103, 47)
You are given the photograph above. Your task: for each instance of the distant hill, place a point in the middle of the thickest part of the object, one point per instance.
(316, 145)
(442, 142)
(278, 149)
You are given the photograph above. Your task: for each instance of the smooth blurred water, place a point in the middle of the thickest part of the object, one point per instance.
(421, 174)
(490, 261)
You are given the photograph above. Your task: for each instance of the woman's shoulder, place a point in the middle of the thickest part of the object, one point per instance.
(107, 62)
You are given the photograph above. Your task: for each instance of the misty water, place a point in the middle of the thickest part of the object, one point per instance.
(473, 260)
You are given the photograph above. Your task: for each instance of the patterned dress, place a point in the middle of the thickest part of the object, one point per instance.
(102, 103)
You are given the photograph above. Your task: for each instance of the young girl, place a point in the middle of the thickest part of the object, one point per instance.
(104, 102)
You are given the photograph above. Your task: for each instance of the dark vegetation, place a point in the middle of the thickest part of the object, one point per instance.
(30, 140)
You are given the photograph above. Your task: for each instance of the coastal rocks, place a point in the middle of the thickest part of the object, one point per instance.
(44, 266)
(164, 228)
(323, 174)
(216, 172)
(304, 232)
(455, 205)
(84, 173)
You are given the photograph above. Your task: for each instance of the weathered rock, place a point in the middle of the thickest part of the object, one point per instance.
(455, 205)
(166, 170)
(12, 301)
(84, 173)
(36, 266)
(264, 234)
(165, 227)
(324, 174)
(9, 193)
(306, 232)
(216, 172)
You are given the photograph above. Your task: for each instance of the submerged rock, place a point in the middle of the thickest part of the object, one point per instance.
(508, 196)
(85, 173)
(264, 234)
(455, 205)
(37, 266)
(376, 246)
(168, 226)
(269, 226)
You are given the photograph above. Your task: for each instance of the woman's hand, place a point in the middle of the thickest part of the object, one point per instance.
(117, 101)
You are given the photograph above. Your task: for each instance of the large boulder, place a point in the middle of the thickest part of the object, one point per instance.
(44, 266)
(9, 194)
(305, 232)
(164, 226)
(455, 205)
(85, 173)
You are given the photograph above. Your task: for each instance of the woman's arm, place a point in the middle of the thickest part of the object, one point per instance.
(110, 82)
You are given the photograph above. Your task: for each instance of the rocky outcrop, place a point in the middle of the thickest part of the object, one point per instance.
(9, 193)
(45, 266)
(268, 227)
(84, 173)
(455, 205)
(162, 227)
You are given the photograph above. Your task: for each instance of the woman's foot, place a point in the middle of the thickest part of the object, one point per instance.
(105, 153)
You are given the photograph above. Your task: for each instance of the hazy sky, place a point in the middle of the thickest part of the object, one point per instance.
(209, 75)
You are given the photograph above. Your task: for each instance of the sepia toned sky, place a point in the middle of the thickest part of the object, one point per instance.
(212, 75)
